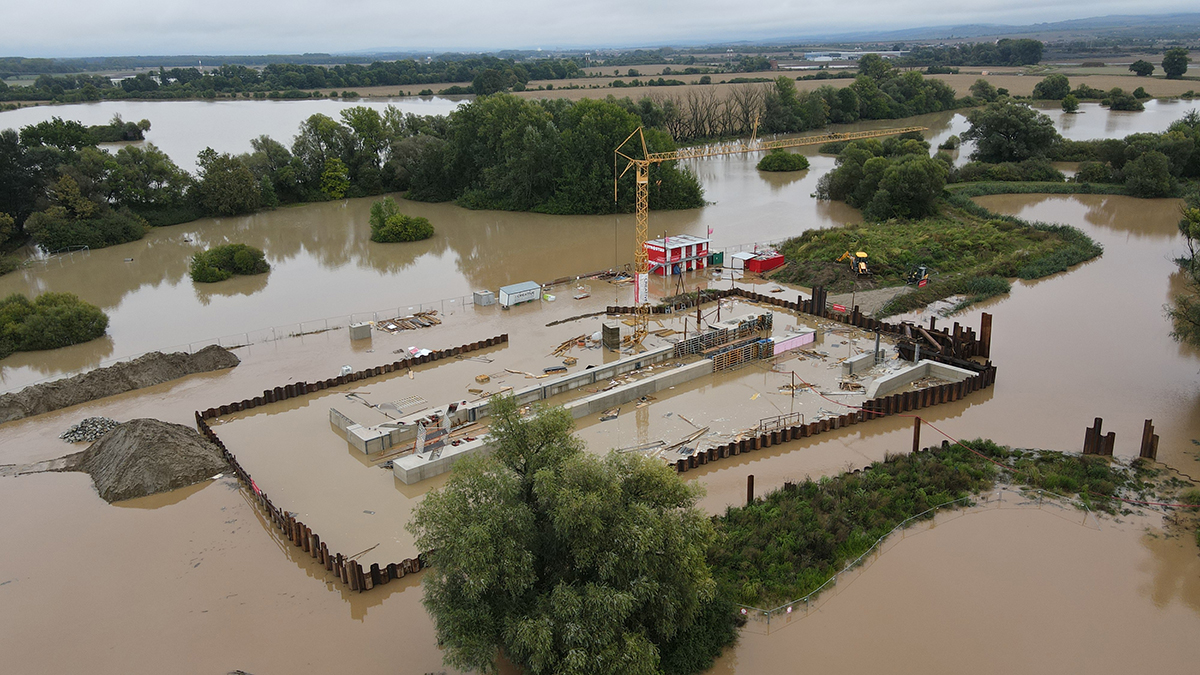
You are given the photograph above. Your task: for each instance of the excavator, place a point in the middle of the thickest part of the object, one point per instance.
(858, 263)
(918, 275)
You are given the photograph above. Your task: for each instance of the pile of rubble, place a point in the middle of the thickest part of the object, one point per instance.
(89, 430)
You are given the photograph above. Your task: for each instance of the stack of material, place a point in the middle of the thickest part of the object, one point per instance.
(91, 429)
(410, 322)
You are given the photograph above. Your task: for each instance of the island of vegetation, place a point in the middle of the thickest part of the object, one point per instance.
(388, 225)
(49, 321)
(222, 262)
(782, 160)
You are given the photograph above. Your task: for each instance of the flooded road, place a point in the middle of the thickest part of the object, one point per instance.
(196, 577)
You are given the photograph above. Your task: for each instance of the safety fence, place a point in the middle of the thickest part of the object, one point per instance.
(801, 606)
(874, 408)
(347, 570)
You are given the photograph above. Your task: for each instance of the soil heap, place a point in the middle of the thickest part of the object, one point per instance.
(144, 371)
(144, 456)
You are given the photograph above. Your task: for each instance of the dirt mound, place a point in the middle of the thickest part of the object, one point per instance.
(144, 456)
(144, 371)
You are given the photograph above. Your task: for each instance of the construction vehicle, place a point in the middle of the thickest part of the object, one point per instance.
(858, 263)
(921, 273)
(641, 168)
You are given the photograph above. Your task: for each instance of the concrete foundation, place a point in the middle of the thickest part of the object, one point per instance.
(888, 384)
(412, 468)
(360, 331)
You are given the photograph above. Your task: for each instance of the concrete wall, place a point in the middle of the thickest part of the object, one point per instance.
(604, 400)
(794, 342)
(858, 364)
(886, 385)
(412, 468)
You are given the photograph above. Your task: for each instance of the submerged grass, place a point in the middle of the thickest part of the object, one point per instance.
(970, 251)
(790, 542)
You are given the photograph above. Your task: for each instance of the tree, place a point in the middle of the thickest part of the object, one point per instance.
(1175, 63)
(1070, 104)
(226, 187)
(146, 177)
(982, 89)
(875, 66)
(335, 179)
(1185, 311)
(908, 188)
(1149, 175)
(1141, 68)
(563, 561)
(1005, 131)
(1053, 87)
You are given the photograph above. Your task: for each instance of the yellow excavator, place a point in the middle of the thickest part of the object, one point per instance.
(858, 262)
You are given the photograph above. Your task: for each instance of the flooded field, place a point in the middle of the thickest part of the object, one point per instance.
(197, 577)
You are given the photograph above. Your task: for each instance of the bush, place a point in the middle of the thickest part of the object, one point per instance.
(1149, 176)
(782, 160)
(1030, 170)
(951, 143)
(56, 229)
(1094, 172)
(222, 262)
(388, 225)
(9, 263)
(50, 321)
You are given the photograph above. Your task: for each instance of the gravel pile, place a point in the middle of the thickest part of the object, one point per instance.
(89, 430)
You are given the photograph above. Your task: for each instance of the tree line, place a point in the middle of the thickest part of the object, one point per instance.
(501, 152)
(1005, 52)
(178, 83)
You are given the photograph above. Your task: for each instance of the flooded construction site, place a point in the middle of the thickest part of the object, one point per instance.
(202, 575)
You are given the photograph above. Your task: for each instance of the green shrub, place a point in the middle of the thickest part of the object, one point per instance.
(57, 228)
(388, 225)
(1093, 172)
(782, 160)
(9, 263)
(951, 143)
(50, 321)
(222, 262)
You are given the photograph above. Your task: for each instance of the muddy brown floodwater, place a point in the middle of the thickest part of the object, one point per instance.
(196, 577)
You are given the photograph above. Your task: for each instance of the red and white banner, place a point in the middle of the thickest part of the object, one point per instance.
(641, 290)
(840, 309)
(922, 283)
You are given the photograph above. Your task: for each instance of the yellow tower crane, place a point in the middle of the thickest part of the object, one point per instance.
(641, 168)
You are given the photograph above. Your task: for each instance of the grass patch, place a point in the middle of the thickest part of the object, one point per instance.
(970, 250)
(788, 543)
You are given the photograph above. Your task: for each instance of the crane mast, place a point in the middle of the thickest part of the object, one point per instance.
(641, 166)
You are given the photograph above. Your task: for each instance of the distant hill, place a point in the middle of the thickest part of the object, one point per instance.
(1166, 26)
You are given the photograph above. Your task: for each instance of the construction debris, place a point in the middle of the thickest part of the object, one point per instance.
(89, 430)
(482, 379)
(410, 322)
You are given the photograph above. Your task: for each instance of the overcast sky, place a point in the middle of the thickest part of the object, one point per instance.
(136, 27)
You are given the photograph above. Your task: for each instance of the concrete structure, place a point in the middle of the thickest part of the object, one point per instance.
(857, 364)
(677, 254)
(484, 298)
(413, 468)
(360, 331)
(515, 294)
(889, 384)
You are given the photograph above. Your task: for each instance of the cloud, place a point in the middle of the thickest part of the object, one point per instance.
(136, 27)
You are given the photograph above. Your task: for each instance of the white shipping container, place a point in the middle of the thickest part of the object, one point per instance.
(515, 294)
